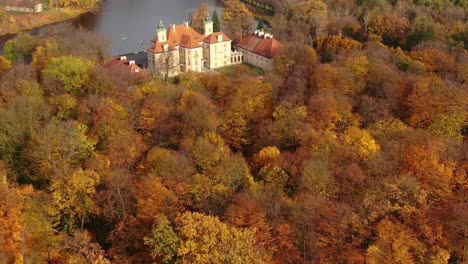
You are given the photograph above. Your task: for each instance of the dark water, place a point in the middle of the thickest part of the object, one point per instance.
(130, 24)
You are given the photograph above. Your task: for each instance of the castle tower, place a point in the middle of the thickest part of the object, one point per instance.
(208, 26)
(161, 32)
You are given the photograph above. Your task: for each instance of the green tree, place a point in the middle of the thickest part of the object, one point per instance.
(260, 24)
(19, 48)
(67, 72)
(163, 241)
(449, 124)
(216, 22)
(422, 29)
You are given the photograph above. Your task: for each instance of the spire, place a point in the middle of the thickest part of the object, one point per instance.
(161, 25)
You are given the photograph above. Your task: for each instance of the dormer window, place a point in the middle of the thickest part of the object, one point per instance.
(166, 47)
(220, 38)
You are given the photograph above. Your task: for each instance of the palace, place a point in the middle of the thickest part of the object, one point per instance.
(180, 48)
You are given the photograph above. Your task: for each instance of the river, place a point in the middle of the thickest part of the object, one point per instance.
(130, 25)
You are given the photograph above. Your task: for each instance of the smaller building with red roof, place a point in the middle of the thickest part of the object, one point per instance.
(259, 49)
(124, 64)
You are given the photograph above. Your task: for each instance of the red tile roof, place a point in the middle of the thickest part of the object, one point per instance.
(183, 35)
(158, 47)
(124, 64)
(261, 45)
(213, 38)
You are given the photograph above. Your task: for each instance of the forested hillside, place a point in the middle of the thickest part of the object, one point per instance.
(352, 151)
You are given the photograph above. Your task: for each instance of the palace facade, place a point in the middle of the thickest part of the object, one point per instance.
(180, 48)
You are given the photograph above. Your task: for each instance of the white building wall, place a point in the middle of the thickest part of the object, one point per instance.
(36, 9)
(218, 54)
(193, 59)
(163, 62)
(254, 59)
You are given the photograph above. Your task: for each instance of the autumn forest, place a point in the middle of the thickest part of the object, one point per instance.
(353, 150)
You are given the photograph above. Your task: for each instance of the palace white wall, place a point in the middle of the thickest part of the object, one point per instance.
(254, 59)
(217, 54)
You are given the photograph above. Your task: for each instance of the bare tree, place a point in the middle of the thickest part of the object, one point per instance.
(166, 64)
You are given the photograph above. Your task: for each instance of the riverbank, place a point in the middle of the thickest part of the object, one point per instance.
(14, 22)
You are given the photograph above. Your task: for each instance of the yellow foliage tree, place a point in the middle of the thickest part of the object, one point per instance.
(44, 53)
(72, 197)
(5, 65)
(12, 202)
(396, 244)
(205, 239)
(237, 19)
(361, 141)
(267, 156)
(198, 17)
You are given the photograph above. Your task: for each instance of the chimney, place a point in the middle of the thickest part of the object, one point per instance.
(173, 27)
(261, 33)
(271, 36)
(131, 62)
(186, 24)
(123, 58)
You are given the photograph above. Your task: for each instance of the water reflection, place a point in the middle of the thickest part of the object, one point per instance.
(128, 24)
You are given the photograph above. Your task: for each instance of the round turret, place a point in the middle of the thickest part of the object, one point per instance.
(161, 32)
